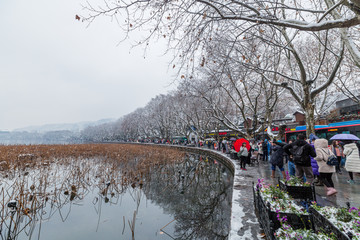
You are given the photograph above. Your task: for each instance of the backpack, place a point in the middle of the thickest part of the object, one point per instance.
(298, 155)
(264, 146)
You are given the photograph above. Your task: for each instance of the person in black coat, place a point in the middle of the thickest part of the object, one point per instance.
(265, 150)
(302, 161)
(277, 159)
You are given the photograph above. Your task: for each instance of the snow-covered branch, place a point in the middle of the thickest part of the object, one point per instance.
(332, 75)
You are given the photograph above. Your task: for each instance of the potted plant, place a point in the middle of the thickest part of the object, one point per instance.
(297, 189)
(343, 222)
(271, 203)
(286, 232)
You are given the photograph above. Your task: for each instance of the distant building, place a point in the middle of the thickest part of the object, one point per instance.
(299, 117)
(348, 106)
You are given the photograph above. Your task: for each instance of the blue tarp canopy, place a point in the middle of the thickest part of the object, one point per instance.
(298, 128)
(337, 124)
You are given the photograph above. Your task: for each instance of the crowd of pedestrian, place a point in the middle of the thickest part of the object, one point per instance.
(312, 160)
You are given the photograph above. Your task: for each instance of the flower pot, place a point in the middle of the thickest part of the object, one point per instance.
(269, 219)
(320, 222)
(306, 193)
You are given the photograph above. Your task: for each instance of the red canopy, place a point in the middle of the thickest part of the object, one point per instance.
(239, 142)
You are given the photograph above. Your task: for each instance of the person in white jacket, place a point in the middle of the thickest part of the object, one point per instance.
(325, 171)
(352, 163)
(260, 150)
(243, 154)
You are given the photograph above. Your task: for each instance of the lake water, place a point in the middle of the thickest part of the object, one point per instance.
(84, 199)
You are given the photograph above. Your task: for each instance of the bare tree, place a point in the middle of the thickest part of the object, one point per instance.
(191, 23)
(282, 26)
(306, 75)
(190, 112)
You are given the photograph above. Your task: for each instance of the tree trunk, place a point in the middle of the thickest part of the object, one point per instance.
(310, 119)
(281, 133)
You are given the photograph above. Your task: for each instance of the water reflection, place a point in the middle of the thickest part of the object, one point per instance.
(197, 193)
(87, 199)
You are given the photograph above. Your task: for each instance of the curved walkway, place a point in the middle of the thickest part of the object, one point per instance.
(244, 224)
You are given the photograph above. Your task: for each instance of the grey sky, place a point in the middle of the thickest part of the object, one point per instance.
(55, 70)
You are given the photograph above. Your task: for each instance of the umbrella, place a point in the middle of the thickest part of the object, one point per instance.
(239, 142)
(232, 139)
(345, 136)
(313, 137)
(209, 139)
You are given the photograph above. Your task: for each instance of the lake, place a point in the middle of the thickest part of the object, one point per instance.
(184, 196)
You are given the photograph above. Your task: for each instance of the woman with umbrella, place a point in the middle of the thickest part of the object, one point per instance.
(351, 152)
(243, 154)
(338, 152)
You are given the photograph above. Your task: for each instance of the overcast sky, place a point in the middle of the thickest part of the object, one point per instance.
(55, 70)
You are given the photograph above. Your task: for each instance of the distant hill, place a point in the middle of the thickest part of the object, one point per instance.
(73, 127)
(65, 133)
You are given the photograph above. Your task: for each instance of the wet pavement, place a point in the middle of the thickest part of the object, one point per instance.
(244, 221)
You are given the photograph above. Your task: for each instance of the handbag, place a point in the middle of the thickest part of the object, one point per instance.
(332, 160)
